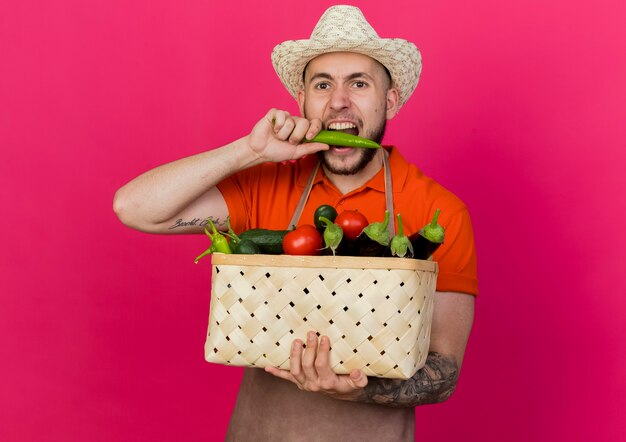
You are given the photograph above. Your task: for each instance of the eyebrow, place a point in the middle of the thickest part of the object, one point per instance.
(349, 77)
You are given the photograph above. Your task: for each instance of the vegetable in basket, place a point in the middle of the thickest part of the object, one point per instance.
(269, 241)
(375, 239)
(219, 242)
(332, 234)
(304, 240)
(327, 211)
(428, 239)
(352, 223)
(400, 243)
(241, 246)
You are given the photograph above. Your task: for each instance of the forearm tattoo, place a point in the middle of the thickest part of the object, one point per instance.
(434, 383)
(196, 222)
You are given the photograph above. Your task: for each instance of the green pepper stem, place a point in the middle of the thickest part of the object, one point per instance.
(325, 220)
(208, 233)
(435, 220)
(400, 226)
(231, 233)
(213, 226)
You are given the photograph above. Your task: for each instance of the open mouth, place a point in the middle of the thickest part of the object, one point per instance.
(349, 128)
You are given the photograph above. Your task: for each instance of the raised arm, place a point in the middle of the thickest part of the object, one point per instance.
(169, 198)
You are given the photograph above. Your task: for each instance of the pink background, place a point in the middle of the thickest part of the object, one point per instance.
(520, 111)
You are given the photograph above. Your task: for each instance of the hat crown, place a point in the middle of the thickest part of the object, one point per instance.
(344, 28)
(345, 23)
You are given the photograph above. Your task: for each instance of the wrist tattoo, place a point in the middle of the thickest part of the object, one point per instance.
(433, 383)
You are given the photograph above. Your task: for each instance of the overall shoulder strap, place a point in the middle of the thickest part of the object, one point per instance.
(303, 199)
(388, 195)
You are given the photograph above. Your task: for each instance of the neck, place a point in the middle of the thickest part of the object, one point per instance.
(348, 183)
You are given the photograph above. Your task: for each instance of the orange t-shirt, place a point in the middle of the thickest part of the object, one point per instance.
(266, 196)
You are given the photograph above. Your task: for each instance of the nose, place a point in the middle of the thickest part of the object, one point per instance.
(339, 99)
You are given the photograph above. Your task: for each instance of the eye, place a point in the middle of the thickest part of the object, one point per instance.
(360, 84)
(322, 86)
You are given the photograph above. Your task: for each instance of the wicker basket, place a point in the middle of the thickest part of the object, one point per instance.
(376, 311)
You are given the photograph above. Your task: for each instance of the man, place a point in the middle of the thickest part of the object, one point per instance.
(344, 78)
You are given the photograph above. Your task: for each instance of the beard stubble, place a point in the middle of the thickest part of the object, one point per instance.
(365, 155)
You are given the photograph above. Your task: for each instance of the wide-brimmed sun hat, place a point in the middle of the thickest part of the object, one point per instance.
(344, 29)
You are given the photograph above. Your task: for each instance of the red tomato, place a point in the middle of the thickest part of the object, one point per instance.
(304, 240)
(352, 222)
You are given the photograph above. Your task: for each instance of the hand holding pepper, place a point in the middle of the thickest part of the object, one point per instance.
(280, 136)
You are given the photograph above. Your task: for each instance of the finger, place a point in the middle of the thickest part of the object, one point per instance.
(322, 362)
(315, 125)
(327, 378)
(277, 118)
(357, 379)
(295, 361)
(283, 374)
(308, 359)
(310, 148)
(284, 132)
(300, 130)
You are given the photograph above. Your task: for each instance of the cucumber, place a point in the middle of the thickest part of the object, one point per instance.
(269, 241)
(245, 247)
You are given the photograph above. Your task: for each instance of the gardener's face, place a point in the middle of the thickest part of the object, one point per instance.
(351, 93)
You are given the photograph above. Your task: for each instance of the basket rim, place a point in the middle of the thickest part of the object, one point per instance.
(327, 261)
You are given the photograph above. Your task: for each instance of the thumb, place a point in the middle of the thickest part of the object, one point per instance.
(309, 148)
(357, 379)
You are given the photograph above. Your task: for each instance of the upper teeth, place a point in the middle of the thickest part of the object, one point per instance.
(341, 126)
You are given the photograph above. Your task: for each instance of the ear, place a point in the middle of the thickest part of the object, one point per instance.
(392, 102)
(300, 99)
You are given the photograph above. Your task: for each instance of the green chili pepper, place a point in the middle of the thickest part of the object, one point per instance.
(337, 138)
(400, 243)
(219, 243)
(218, 240)
(333, 234)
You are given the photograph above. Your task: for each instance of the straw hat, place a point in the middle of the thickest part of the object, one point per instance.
(345, 29)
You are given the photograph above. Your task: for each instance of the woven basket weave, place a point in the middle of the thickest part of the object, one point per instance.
(376, 311)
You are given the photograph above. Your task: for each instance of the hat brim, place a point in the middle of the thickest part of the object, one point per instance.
(401, 58)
